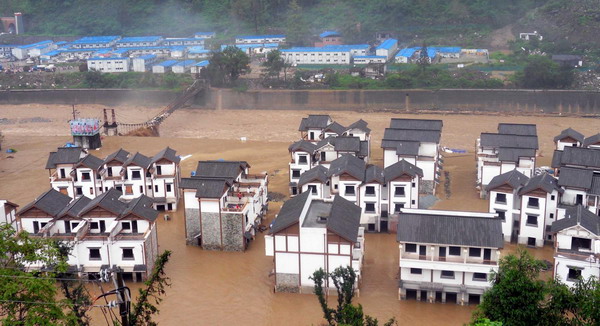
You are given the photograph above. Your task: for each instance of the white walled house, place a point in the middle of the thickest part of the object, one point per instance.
(163, 67)
(143, 63)
(8, 212)
(577, 245)
(447, 256)
(504, 200)
(140, 41)
(568, 137)
(256, 39)
(104, 232)
(110, 64)
(309, 234)
(592, 142)
(539, 209)
(387, 48)
(312, 127)
(224, 205)
(95, 42)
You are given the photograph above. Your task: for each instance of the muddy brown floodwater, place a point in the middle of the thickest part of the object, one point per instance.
(222, 288)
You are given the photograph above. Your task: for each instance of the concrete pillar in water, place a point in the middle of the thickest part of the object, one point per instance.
(220, 99)
(407, 102)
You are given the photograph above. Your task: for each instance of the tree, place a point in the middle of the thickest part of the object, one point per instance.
(144, 309)
(541, 72)
(227, 66)
(274, 64)
(345, 313)
(296, 25)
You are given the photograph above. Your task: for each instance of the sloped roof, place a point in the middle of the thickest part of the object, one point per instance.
(344, 219)
(361, 125)
(595, 189)
(407, 148)
(318, 173)
(591, 140)
(544, 181)
(514, 141)
(289, 213)
(374, 173)
(139, 160)
(570, 133)
(517, 129)
(51, 202)
(514, 179)
(314, 121)
(556, 159)
(91, 162)
(167, 153)
(574, 177)
(212, 188)
(416, 124)
(580, 157)
(509, 154)
(327, 141)
(335, 127)
(348, 164)
(346, 144)
(302, 145)
(121, 155)
(428, 136)
(64, 155)
(450, 230)
(400, 168)
(108, 201)
(578, 215)
(142, 207)
(75, 207)
(364, 149)
(220, 169)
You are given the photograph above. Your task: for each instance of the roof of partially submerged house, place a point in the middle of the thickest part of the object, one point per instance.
(578, 215)
(91, 162)
(108, 201)
(64, 155)
(407, 147)
(120, 155)
(416, 124)
(374, 173)
(289, 213)
(574, 177)
(75, 207)
(521, 129)
(570, 133)
(206, 187)
(349, 164)
(303, 145)
(594, 139)
(335, 127)
(578, 156)
(314, 121)
(51, 202)
(400, 168)
(167, 153)
(139, 160)
(544, 182)
(142, 207)
(509, 154)
(344, 218)
(513, 141)
(513, 179)
(556, 159)
(361, 125)
(423, 136)
(318, 173)
(450, 230)
(346, 144)
(220, 169)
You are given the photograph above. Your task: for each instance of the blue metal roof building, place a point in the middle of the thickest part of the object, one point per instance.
(36, 45)
(329, 34)
(146, 57)
(252, 37)
(96, 40)
(185, 63)
(408, 52)
(139, 39)
(167, 63)
(202, 63)
(387, 44)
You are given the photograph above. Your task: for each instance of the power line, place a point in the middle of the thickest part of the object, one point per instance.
(47, 278)
(54, 303)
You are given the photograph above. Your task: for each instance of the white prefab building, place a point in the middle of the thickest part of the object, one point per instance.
(8, 212)
(366, 59)
(163, 67)
(198, 52)
(183, 66)
(193, 41)
(104, 232)
(447, 256)
(387, 48)
(322, 55)
(36, 49)
(205, 35)
(577, 244)
(309, 234)
(254, 39)
(418, 142)
(224, 205)
(142, 41)
(143, 63)
(108, 64)
(197, 68)
(95, 42)
(504, 200)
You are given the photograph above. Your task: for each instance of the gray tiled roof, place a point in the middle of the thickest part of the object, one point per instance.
(360, 124)
(346, 144)
(514, 141)
(121, 155)
(374, 173)
(64, 155)
(302, 145)
(335, 127)
(424, 136)
(167, 153)
(75, 207)
(51, 202)
(591, 140)
(142, 207)
(556, 159)
(514, 179)
(348, 164)
(314, 121)
(578, 215)
(206, 187)
(417, 124)
(108, 201)
(570, 133)
(327, 141)
(364, 149)
(91, 162)
(344, 219)
(595, 189)
(289, 213)
(450, 230)
(139, 160)
(318, 173)
(579, 156)
(577, 178)
(543, 181)
(400, 168)
(508, 154)
(407, 148)
(517, 129)
(220, 169)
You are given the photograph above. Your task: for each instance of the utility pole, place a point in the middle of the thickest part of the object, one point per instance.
(123, 297)
(74, 111)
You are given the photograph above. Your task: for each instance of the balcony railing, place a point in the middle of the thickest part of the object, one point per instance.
(449, 259)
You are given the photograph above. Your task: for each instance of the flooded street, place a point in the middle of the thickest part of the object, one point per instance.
(230, 288)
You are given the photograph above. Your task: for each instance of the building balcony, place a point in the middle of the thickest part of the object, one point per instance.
(235, 206)
(448, 259)
(587, 256)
